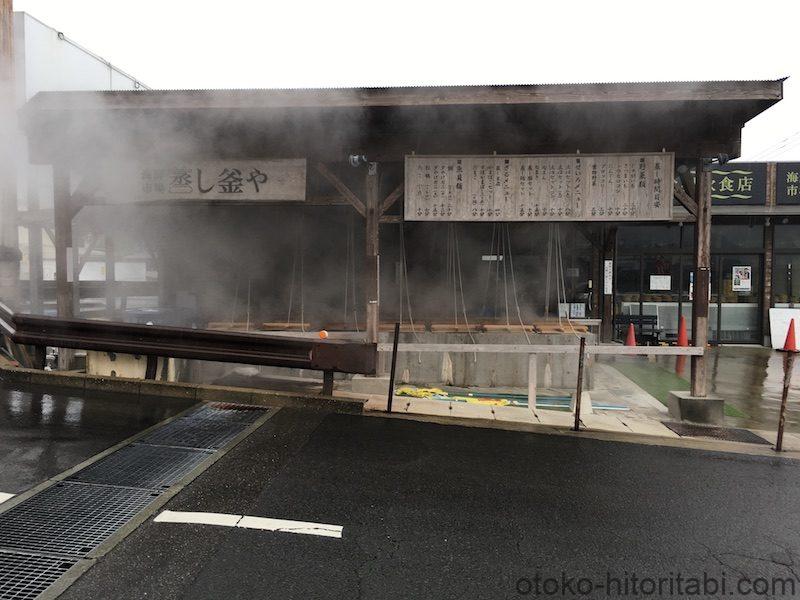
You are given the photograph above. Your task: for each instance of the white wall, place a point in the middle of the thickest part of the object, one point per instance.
(50, 61)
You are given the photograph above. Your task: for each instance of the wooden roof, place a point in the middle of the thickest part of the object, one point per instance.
(386, 123)
(412, 96)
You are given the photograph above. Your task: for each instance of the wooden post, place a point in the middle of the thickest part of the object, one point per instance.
(702, 258)
(532, 383)
(788, 364)
(62, 213)
(372, 270)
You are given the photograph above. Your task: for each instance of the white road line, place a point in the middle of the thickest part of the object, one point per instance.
(4, 497)
(291, 526)
(199, 518)
(249, 522)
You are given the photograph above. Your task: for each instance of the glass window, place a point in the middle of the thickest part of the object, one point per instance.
(786, 280)
(727, 238)
(637, 238)
(787, 236)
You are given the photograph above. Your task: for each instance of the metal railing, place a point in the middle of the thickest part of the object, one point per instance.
(328, 356)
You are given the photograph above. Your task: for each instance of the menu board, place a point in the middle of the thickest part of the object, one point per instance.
(566, 187)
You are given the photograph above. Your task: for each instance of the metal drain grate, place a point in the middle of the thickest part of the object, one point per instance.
(223, 411)
(728, 434)
(194, 433)
(208, 427)
(70, 518)
(142, 466)
(24, 576)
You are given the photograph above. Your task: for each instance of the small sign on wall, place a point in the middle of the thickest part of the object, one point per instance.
(661, 282)
(742, 279)
(608, 277)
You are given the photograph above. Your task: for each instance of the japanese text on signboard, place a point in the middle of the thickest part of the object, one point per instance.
(739, 183)
(224, 180)
(788, 183)
(583, 187)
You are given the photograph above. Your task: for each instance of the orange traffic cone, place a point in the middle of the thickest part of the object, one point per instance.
(631, 339)
(790, 345)
(683, 339)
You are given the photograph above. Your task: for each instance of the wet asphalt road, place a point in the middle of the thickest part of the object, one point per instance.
(433, 511)
(45, 432)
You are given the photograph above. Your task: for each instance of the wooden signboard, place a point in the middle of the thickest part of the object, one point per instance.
(570, 187)
(213, 180)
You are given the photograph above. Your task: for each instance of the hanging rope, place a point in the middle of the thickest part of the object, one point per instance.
(547, 275)
(298, 253)
(560, 277)
(514, 284)
(291, 284)
(488, 270)
(404, 285)
(461, 289)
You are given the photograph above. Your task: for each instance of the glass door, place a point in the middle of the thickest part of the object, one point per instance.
(627, 291)
(738, 298)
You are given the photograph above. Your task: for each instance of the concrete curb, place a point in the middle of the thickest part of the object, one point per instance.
(760, 451)
(167, 389)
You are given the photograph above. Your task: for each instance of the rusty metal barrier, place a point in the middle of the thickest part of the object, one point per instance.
(329, 356)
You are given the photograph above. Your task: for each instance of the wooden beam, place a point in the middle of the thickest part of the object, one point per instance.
(391, 219)
(686, 200)
(340, 187)
(392, 198)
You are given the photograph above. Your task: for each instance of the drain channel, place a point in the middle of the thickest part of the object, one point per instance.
(45, 535)
(25, 576)
(729, 434)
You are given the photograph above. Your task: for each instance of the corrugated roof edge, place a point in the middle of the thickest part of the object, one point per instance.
(722, 90)
(456, 86)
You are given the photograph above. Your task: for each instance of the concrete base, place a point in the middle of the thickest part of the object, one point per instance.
(685, 407)
(362, 384)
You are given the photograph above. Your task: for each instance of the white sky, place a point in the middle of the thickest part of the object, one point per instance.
(304, 43)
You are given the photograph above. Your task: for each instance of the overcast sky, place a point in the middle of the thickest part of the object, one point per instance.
(256, 44)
